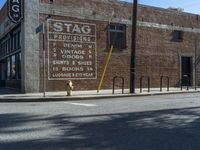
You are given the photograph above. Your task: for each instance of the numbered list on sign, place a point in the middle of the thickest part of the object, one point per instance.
(71, 50)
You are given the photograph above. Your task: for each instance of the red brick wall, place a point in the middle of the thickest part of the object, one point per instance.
(118, 66)
(101, 7)
(165, 16)
(156, 53)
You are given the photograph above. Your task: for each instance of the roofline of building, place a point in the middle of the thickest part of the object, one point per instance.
(141, 5)
(157, 8)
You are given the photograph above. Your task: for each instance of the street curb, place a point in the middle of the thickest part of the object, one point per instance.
(59, 98)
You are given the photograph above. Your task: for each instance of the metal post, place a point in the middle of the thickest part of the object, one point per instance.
(141, 84)
(133, 51)
(181, 84)
(188, 81)
(122, 81)
(44, 83)
(148, 84)
(122, 85)
(114, 85)
(161, 78)
(40, 29)
(167, 83)
(195, 64)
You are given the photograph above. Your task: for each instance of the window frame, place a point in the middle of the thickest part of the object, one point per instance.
(177, 36)
(116, 30)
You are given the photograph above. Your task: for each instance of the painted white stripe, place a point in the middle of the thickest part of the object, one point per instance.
(167, 27)
(82, 104)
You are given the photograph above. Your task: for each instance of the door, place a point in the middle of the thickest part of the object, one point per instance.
(186, 71)
(2, 74)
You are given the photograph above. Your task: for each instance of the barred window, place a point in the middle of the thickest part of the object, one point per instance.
(177, 36)
(117, 35)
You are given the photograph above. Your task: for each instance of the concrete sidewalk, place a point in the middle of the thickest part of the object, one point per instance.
(86, 95)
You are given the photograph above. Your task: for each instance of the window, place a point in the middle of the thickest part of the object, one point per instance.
(9, 45)
(177, 36)
(15, 41)
(18, 58)
(117, 35)
(19, 40)
(1, 50)
(8, 68)
(4, 48)
(13, 67)
(7, 50)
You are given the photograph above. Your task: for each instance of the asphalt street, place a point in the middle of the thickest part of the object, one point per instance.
(169, 122)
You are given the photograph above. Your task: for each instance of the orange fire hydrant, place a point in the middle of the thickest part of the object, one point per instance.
(69, 87)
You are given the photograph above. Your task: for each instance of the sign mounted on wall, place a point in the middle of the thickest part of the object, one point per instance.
(71, 50)
(15, 10)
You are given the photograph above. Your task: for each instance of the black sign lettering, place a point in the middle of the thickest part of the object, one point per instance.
(15, 10)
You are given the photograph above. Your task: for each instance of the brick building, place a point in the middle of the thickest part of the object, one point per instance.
(78, 36)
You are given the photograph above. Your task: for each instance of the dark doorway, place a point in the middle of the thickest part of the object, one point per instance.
(2, 74)
(186, 68)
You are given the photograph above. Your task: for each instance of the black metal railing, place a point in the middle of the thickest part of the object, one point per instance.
(122, 83)
(141, 83)
(161, 82)
(187, 79)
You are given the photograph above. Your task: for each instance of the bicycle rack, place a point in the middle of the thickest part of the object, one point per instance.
(161, 83)
(114, 79)
(188, 79)
(141, 79)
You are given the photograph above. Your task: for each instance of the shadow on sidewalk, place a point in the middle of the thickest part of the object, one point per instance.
(175, 129)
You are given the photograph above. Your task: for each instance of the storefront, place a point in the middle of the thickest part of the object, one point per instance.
(10, 59)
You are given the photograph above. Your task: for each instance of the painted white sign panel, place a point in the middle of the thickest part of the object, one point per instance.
(71, 50)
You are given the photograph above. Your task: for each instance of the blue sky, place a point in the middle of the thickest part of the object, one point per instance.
(2, 3)
(192, 6)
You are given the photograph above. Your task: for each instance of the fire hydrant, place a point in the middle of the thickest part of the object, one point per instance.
(69, 87)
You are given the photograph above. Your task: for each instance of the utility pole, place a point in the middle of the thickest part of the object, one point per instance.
(195, 63)
(133, 47)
